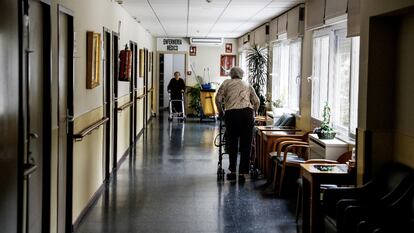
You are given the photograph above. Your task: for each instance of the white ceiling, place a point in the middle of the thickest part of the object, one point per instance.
(198, 18)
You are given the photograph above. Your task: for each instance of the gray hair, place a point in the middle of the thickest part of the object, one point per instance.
(236, 72)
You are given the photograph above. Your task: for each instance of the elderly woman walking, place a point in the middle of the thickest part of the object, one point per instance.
(240, 103)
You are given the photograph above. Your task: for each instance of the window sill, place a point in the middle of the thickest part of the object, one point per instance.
(343, 137)
(347, 139)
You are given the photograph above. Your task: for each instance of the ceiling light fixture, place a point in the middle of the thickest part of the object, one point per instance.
(206, 40)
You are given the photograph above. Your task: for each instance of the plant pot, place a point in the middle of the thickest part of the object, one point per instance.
(326, 135)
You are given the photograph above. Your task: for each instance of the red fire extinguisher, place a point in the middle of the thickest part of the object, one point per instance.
(125, 57)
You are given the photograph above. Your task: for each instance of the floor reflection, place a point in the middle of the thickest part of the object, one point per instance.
(168, 184)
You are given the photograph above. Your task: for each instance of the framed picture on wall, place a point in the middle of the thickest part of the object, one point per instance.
(229, 47)
(141, 63)
(226, 63)
(93, 59)
(193, 51)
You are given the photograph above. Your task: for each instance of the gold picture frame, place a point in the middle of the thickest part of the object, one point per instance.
(93, 59)
(141, 63)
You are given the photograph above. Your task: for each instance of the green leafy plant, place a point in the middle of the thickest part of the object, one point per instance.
(195, 101)
(278, 103)
(257, 62)
(326, 123)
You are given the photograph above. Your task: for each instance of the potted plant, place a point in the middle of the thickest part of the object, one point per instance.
(195, 102)
(326, 131)
(277, 107)
(257, 62)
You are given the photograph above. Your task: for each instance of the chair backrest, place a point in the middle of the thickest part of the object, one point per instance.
(286, 119)
(345, 157)
(393, 177)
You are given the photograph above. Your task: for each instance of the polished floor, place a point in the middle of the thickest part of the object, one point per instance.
(169, 185)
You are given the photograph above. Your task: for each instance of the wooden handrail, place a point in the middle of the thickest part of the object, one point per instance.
(125, 106)
(88, 130)
(141, 96)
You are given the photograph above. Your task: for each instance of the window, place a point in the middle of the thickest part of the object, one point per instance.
(335, 78)
(286, 73)
(243, 64)
(320, 75)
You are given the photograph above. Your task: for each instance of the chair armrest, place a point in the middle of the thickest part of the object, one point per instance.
(279, 140)
(349, 215)
(331, 197)
(285, 144)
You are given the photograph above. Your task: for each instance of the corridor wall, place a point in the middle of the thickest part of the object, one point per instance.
(88, 169)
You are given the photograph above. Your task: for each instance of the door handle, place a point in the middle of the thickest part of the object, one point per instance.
(34, 136)
(29, 169)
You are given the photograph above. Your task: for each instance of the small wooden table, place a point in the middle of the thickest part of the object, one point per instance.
(267, 140)
(260, 120)
(312, 180)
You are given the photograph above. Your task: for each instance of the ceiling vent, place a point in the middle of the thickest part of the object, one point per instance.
(206, 41)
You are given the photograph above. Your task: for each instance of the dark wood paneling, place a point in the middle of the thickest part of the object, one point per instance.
(10, 155)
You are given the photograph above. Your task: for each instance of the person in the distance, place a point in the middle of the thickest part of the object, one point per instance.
(240, 103)
(176, 87)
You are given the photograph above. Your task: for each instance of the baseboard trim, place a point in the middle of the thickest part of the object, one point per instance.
(103, 186)
(139, 135)
(150, 119)
(123, 158)
(91, 203)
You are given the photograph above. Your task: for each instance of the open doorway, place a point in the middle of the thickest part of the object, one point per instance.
(169, 63)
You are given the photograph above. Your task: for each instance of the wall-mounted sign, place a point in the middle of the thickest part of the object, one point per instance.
(172, 44)
(193, 51)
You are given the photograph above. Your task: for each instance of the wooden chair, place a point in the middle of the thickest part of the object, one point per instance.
(269, 165)
(287, 152)
(294, 153)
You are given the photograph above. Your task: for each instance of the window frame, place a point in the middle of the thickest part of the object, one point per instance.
(276, 74)
(332, 32)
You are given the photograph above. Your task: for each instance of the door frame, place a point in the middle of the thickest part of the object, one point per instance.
(146, 63)
(46, 130)
(157, 79)
(47, 118)
(115, 69)
(107, 99)
(132, 94)
(69, 118)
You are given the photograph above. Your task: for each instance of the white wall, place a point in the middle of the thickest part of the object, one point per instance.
(208, 57)
(93, 15)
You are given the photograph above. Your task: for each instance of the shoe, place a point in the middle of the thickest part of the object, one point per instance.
(242, 178)
(231, 176)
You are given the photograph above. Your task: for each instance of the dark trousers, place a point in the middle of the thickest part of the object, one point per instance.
(239, 128)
